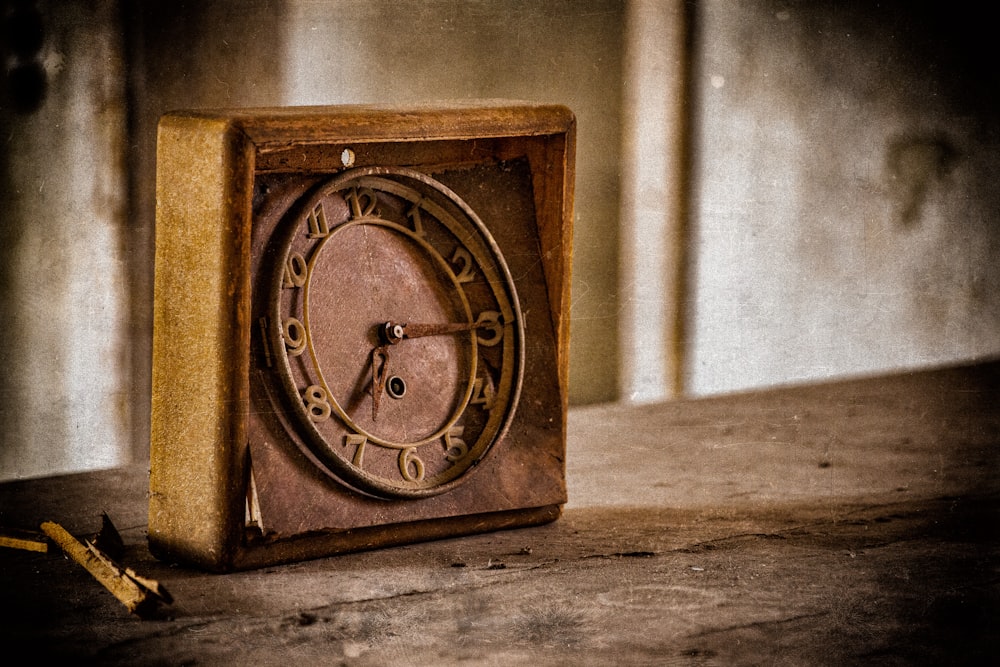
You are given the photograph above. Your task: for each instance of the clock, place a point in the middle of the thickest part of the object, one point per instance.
(360, 328)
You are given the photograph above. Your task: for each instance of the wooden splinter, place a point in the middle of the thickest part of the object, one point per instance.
(12, 538)
(139, 595)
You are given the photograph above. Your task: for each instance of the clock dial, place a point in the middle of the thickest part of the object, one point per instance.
(395, 332)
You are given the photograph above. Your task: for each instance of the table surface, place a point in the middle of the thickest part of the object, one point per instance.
(840, 523)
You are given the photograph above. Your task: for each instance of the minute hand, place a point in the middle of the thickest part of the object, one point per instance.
(421, 330)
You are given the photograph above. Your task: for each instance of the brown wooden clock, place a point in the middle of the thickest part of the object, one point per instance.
(360, 327)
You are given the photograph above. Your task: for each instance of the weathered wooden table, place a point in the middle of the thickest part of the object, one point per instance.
(843, 523)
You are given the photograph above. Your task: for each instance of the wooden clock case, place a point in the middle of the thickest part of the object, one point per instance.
(230, 488)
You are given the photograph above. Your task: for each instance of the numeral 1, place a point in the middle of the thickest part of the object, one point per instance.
(414, 215)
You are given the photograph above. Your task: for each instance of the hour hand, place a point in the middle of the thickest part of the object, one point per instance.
(380, 371)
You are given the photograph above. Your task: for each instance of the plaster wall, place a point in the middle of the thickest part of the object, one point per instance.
(846, 219)
(837, 213)
(64, 293)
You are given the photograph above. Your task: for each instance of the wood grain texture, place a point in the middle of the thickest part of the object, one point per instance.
(846, 523)
(201, 337)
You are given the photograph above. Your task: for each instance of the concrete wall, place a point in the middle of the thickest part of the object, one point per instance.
(64, 293)
(798, 190)
(846, 215)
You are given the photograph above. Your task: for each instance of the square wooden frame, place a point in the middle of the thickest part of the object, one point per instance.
(206, 165)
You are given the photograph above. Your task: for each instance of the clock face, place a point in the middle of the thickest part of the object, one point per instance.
(394, 332)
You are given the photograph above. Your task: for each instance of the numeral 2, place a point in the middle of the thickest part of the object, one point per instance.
(463, 259)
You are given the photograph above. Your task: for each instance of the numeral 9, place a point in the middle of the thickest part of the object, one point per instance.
(294, 334)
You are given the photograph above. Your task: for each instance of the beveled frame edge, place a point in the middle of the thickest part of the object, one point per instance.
(200, 359)
(273, 128)
(321, 545)
(555, 227)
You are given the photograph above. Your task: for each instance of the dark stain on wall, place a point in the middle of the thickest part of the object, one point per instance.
(22, 36)
(915, 163)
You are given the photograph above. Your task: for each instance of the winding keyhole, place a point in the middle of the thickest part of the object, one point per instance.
(395, 387)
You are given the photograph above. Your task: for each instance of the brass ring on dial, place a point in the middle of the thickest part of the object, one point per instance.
(315, 405)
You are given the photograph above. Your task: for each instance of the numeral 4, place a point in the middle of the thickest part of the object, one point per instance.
(483, 393)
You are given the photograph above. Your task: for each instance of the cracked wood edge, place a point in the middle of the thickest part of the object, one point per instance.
(12, 538)
(139, 595)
